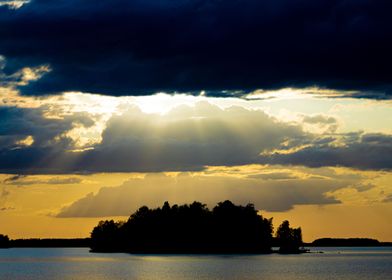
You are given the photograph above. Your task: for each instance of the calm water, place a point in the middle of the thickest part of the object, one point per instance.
(335, 263)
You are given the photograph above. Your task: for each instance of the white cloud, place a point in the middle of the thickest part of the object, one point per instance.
(14, 4)
(23, 76)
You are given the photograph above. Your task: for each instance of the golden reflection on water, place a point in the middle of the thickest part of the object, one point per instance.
(79, 264)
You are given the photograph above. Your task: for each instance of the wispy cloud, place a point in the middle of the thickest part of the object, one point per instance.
(23, 76)
(14, 4)
(24, 180)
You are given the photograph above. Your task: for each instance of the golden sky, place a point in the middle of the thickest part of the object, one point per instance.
(335, 202)
(307, 155)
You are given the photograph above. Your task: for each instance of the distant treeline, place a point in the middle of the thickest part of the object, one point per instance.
(227, 228)
(85, 242)
(348, 242)
(5, 242)
(51, 242)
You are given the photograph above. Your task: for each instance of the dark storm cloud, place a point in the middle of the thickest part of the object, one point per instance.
(121, 47)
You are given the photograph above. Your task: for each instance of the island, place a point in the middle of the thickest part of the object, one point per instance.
(348, 242)
(194, 229)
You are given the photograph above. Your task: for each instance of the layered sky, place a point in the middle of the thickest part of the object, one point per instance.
(109, 105)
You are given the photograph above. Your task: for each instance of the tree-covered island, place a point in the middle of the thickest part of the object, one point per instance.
(227, 229)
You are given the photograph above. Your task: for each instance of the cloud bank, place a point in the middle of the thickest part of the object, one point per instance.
(184, 139)
(272, 195)
(362, 151)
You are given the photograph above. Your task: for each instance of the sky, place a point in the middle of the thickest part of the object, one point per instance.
(107, 106)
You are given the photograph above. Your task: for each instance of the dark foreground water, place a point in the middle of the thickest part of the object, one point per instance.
(335, 263)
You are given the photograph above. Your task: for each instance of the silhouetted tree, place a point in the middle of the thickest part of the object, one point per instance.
(106, 235)
(187, 229)
(290, 239)
(4, 241)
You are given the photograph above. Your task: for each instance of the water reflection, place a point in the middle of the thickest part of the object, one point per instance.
(78, 264)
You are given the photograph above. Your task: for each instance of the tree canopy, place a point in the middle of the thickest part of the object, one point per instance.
(290, 239)
(188, 228)
(4, 241)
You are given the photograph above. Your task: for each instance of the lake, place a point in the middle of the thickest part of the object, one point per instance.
(78, 263)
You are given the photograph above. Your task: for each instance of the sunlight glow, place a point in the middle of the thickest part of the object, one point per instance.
(297, 93)
(28, 141)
